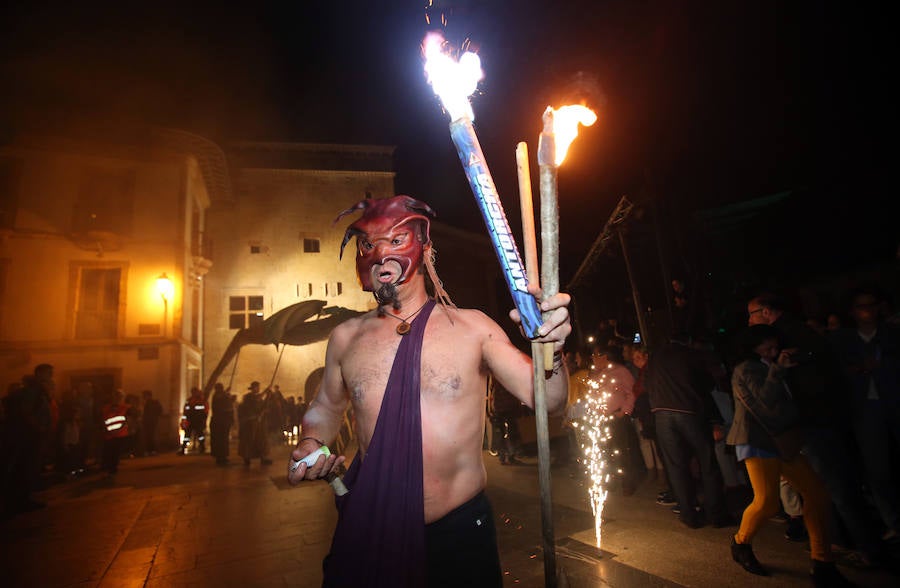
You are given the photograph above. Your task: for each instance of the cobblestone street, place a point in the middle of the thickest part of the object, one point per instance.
(173, 520)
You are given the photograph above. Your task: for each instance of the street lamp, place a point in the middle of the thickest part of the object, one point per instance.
(166, 290)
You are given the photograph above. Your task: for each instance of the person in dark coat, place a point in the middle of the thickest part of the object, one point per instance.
(150, 421)
(684, 412)
(29, 422)
(819, 389)
(253, 442)
(869, 354)
(221, 422)
(504, 410)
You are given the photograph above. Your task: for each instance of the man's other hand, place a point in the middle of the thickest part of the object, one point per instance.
(557, 326)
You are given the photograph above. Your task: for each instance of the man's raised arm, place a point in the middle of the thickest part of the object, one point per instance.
(514, 369)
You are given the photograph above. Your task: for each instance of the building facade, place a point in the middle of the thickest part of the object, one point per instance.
(276, 246)
(101, 262)
(133, 262)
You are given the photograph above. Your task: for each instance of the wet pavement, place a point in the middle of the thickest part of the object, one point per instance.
(172, 520)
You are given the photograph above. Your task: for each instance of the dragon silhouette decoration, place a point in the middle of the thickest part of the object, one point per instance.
(298, 324)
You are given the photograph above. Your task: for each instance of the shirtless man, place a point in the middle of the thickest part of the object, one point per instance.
(459, 349)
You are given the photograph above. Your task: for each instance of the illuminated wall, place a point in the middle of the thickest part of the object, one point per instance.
(274, 244)
(88, 228)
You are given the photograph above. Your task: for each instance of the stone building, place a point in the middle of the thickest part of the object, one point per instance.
(130, 260)
(101, 261)
(276, 245)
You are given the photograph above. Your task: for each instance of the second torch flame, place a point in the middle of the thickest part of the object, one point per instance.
(565, 127)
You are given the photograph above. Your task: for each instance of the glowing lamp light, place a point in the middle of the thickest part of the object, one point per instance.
(164, 287)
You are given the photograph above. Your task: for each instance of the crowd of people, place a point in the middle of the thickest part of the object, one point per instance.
(46, 436)
(805, 419)
(68, 434)
(264, 418)
(802, 415)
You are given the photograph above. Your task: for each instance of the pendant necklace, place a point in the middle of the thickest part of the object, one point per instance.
(404, 326)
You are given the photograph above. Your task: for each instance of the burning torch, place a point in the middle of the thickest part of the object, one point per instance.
(560, 127)
(453, 81)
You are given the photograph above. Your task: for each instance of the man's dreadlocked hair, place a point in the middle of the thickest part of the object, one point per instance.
(436, 284)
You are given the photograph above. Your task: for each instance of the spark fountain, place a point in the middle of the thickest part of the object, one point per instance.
(593, 433)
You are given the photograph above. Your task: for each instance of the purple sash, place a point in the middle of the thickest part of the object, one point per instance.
(379, 540)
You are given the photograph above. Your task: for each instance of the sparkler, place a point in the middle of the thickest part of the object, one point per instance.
(454, 81)
(593, 432)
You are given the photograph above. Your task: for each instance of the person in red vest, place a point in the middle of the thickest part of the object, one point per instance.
(115, 431)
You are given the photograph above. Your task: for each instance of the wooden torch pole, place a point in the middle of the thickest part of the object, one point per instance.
(539, 369)
(549, 287)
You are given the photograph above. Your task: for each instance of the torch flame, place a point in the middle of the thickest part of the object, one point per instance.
(565, 126)
(453, 81)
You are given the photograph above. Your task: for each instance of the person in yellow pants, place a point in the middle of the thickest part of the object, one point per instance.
(765, 474)
(764, 408)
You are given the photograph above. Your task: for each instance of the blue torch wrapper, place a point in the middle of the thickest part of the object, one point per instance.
(463, 135)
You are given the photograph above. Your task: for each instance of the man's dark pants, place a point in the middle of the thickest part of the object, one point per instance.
(461, 548)
(681, 436)
(148, 428)
(877, 428)
(829, 455)
(112, 449)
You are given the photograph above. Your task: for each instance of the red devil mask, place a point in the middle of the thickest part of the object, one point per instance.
(390, 231)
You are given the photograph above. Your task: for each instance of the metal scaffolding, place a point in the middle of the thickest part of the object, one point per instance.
(613, 225)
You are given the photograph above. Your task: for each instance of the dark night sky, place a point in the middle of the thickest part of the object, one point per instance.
(700, 104)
